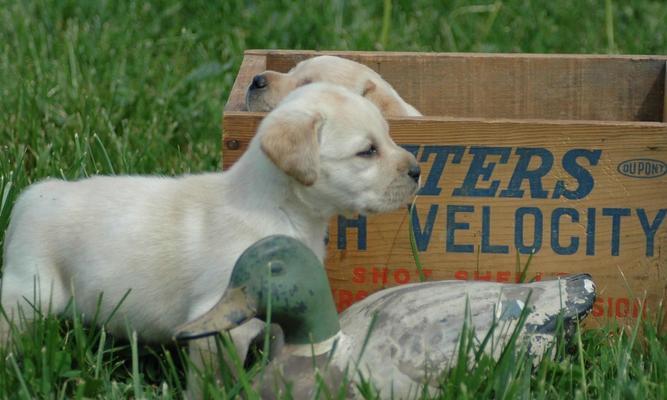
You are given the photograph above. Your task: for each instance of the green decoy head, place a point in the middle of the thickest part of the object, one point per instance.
(280, 276)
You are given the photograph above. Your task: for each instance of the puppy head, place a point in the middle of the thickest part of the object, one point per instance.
(268, 88)
(336, 146)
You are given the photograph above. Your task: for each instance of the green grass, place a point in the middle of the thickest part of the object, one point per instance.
(103, 87)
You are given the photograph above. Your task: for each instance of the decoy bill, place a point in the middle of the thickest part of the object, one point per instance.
(416, 328)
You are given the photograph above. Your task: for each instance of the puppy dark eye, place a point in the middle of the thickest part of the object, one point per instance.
(372, 151)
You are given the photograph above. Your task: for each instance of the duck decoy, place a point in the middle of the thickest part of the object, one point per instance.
(416, 327)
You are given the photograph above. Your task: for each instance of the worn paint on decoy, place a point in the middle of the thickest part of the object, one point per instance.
(416, 329)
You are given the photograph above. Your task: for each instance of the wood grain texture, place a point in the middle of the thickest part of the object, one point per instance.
(575, 87)
(664, 100)
(250, 66)
(626, 253)
(238, 128)
(387, 235)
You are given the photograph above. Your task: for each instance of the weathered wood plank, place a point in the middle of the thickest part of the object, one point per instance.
(578, 87)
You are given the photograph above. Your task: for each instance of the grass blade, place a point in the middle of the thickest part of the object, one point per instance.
(136, 377)
(24, 388)
(386, 23)
(105, 153)
(413, 243)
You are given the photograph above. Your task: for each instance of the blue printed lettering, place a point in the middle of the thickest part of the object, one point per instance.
(615, 214)
(453, 226)
(534, 177)
(519, 230)
(650, 228)
(487, 247)
(359, 224)
(555, 231)
(431, 186)
(590, 232)
(478, 169)
(581, 174)
(423, 236)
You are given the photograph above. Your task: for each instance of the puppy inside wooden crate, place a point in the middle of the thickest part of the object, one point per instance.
(268, 88)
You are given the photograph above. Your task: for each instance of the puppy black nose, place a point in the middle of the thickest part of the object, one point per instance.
(414, 172)
(258, 82)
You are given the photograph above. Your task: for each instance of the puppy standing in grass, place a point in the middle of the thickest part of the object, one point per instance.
(173, 241)
(268, 88)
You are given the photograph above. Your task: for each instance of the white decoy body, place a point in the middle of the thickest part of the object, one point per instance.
(416, 332)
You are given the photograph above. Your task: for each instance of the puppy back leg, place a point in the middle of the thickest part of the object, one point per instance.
(24, 299)
(31, 285)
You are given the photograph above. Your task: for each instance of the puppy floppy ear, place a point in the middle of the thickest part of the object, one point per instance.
(383, 99)
(291, 141)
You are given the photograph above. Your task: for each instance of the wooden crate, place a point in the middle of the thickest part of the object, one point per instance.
(561, 155)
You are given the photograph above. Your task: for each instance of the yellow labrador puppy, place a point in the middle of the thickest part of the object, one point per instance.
(268, 88)
(173, 241)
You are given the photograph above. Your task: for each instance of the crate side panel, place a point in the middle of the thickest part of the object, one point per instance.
(533, 87)
(612, 225)
(617, 231)
(239, 129)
